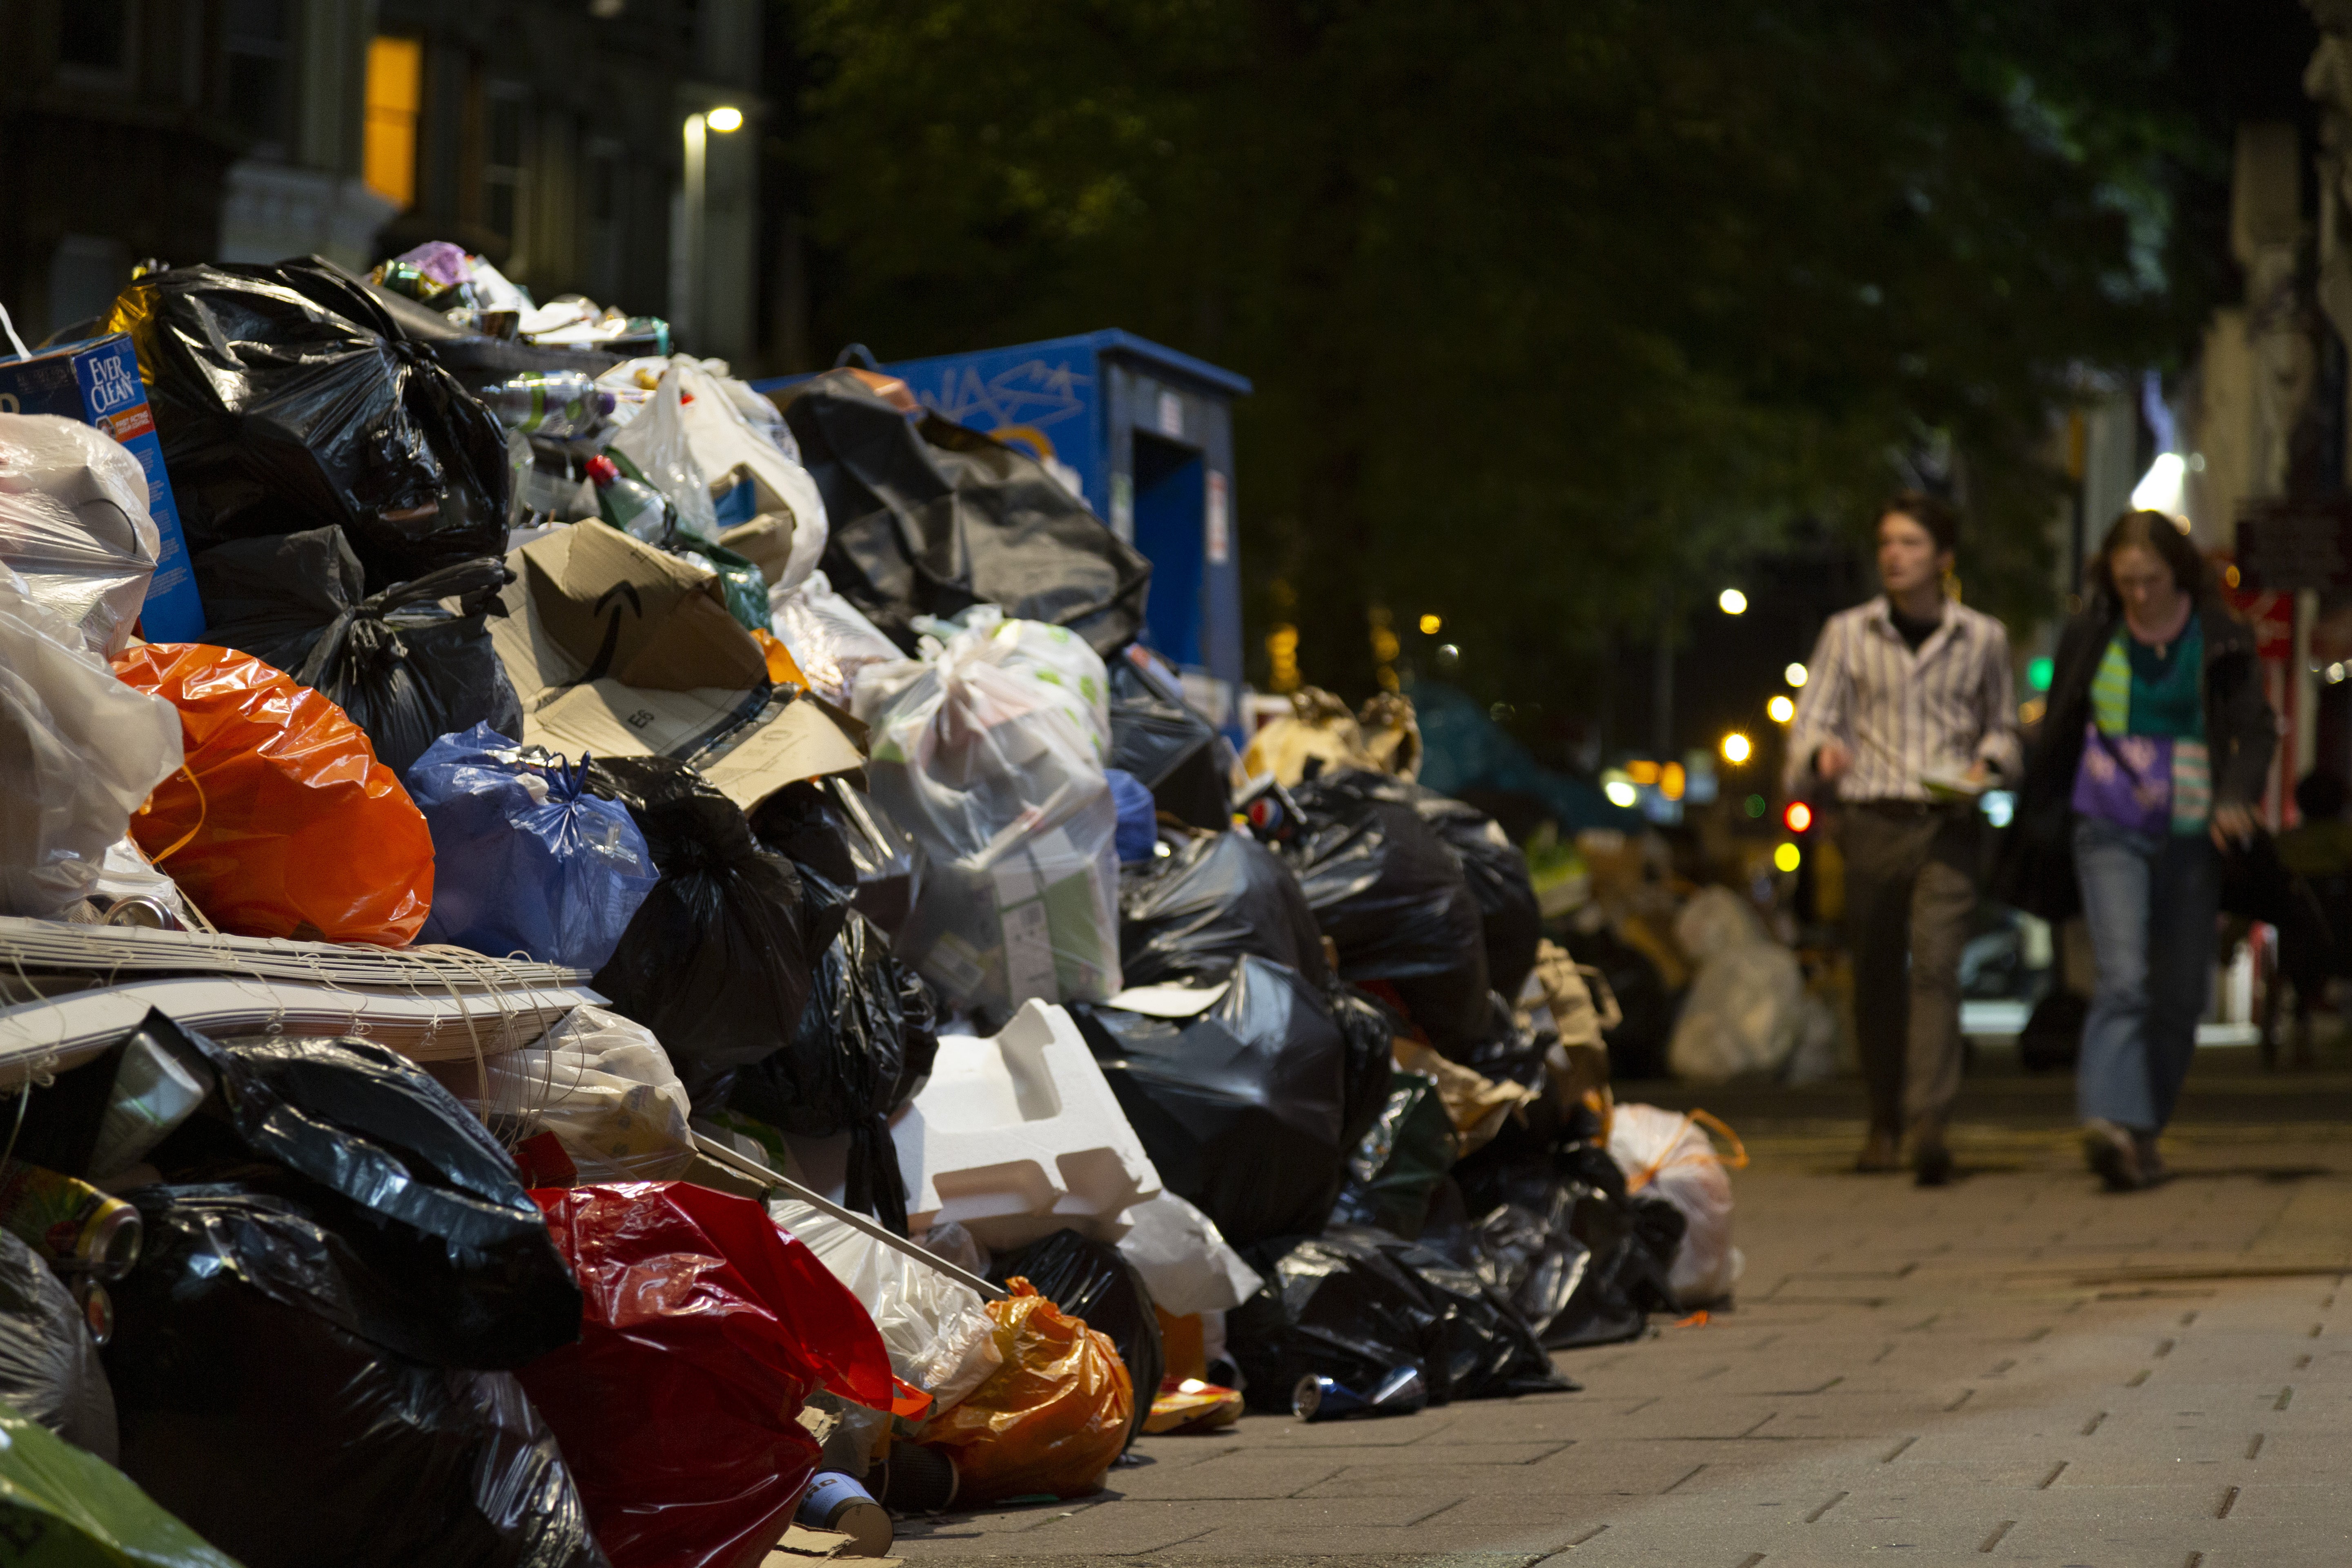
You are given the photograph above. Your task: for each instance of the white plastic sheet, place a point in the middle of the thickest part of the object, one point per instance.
(1667, 1154)
(938, 1332)
(79, 752)
(1185, 1259)
(74, 525)
(829, 637)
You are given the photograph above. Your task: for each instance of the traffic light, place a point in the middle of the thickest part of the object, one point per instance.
(1796, 817)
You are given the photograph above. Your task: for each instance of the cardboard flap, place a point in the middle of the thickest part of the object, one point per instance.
(618, 607)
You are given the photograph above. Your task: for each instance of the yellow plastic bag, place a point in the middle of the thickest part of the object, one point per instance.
(1050, 1419)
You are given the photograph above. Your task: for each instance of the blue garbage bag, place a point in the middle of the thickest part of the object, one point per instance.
(523, 860)
(1138, 826)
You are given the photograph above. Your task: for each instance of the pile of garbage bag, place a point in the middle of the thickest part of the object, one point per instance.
(683, 943)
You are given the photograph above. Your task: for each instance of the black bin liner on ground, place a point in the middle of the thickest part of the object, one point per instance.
(1390, 893)
(1355, 1304)
(1637, 1046)
(1187, 914)
(1585, 1263)
(1509, 916)
(1169, 746)
(834, 829)
(284, 396)
(49, 1369)
(864, 1047)
(928, 517)
(406, 670)
(1247, 1110)
(719, 959)
(1089, 1281)
(1395, 1169)
(420, 1198)
(256, 1405)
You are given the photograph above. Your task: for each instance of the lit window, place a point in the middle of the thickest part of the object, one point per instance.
(396, 95)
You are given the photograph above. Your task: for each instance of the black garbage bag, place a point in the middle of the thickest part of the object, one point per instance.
(719, 959)
(1637, 1046)
(1356, 1303)
(1602, 1263)
(1089, 1281)
(418, 1194)
(257, 1406)
(1390, 895)
(1170, 746)
(49, 1369)
(1244, 1107)
(831, 827)
(864, 1046)
(406, 670)
(1189, 913)
(928, 517)
(286, 397)
(1396, 1167)
(1509, 915)
(1371, 1029)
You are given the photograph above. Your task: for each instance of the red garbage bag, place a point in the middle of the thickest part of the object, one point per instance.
(283, 823)
(706, 1326)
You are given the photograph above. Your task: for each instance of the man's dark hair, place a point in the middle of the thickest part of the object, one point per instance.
(1942, 523)
(2320, 797)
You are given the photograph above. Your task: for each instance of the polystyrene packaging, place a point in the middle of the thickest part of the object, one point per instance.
(1668, 1153)
(829, 637)
(606, 1088)
(937, 1328)
(79, 752)
(986, 753)
(74, 525)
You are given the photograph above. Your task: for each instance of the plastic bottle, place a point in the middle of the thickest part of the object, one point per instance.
(556, 403)
(634, 508)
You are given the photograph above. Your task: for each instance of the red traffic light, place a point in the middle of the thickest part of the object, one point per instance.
(1797, 816)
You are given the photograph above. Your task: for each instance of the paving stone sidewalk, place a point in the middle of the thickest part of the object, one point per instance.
(2016, 1368)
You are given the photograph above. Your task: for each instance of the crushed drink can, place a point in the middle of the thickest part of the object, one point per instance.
(79, 1229)
(1320, 1398)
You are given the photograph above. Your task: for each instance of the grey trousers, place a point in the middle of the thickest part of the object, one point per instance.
(1910, 889)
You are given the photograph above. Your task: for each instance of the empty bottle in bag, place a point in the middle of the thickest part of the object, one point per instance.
(630, 505)
(554, 402)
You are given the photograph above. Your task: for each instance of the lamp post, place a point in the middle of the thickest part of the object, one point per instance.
(693, 286)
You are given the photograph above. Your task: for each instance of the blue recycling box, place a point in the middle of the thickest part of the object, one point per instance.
(97, 384)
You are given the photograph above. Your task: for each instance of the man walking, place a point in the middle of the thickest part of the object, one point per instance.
(1907, 712)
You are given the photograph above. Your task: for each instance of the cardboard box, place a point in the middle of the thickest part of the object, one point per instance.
(582, 603)
(97, 384)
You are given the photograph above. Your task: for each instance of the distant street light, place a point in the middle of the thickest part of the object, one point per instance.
(1620, 791)
(1794, 675)
(1732, 601)
(1430, 626)
(724, 120)
(1736, 749)
(1788, 857)
(1782, 708)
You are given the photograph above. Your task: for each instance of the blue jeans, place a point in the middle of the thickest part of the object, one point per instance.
(2150, 903)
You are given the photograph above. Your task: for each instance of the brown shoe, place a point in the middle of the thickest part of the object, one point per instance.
(2153, 1171)
(1931, 1161)
(2114, 1153)
(1881, 1152)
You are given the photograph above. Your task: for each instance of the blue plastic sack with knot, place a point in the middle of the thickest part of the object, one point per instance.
(524, 861)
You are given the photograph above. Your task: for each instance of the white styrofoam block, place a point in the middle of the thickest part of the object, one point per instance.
(1018, 1136)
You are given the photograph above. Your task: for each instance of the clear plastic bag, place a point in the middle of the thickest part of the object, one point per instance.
(998, 776)
(1184, 1259)
(602, 1085)
(79, 753)
(74, 525)
(656, 441)
(830, 638)
(937, 1328)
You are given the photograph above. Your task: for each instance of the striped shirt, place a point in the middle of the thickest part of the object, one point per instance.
(1904, 715)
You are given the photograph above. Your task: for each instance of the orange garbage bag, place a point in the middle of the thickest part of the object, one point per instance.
(283, 823)
(1050, 1419)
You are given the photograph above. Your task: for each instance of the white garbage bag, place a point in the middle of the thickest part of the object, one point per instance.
(996, 773)
(936, 1328)
(74, 525)
(79, 753)
(1741, 1015)
(656, 441)
(1185, 1259)
(1669, 1153)
(602, 1085)
(1715, 920)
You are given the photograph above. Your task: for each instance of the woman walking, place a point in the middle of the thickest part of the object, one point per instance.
(2157, 743)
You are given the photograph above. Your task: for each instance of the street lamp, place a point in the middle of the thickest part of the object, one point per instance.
(685, 305)
(1737, 748)
(724, 119)
(1794, 675)
(1732, 601)
(1782, 708)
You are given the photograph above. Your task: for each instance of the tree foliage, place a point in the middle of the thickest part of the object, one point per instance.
(1549, 306)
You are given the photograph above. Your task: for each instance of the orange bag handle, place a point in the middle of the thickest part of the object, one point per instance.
(1736, 1160)
(202, 806)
